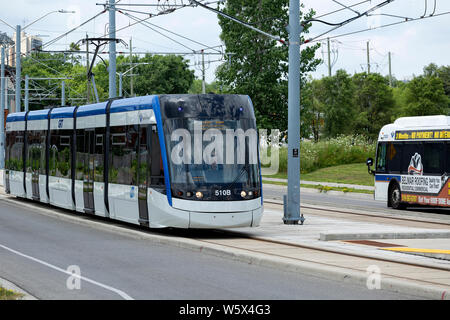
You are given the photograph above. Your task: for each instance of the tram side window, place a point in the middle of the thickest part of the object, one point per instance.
(447, 157)
(60, 153)
(42, 150)
(156, 170)
(98, 155)
(433, 158)
(80, 155)
(381, 158)
(394, 157)
(33, 153)
(122, 157)
(15, 151)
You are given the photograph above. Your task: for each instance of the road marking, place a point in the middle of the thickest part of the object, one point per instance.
(119, 292)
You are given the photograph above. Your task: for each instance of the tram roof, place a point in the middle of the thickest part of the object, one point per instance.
(64, 112)
(38, 115)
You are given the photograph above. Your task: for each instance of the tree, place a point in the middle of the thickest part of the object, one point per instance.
(374, 103)
(258, 65)
(425, 95)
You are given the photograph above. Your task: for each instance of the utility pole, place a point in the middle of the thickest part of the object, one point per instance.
(368, 58)
(112, 49)
(27, 93)
(390, 70)
(292, 200)
(203, 72)
(329, 58)
(88, 87)
(131, 65)
(2, 115)
(18, 69)
(63, 93)
(120, 84)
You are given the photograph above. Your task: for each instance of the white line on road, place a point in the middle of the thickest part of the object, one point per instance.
(119, 292)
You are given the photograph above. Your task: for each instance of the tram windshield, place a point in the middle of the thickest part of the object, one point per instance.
(217, 157)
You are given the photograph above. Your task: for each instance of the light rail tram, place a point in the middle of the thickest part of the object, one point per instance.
(183, 161)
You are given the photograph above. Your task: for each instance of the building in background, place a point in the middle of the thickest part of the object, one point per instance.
(28, 44)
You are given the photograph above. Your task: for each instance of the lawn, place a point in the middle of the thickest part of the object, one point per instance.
(347, 173)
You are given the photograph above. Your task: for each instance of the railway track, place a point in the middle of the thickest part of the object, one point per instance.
(376, 215)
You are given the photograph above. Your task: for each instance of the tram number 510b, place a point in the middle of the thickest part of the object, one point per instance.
(219, 193)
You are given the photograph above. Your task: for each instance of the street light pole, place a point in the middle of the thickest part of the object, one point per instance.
(2, 115)
(292, 207)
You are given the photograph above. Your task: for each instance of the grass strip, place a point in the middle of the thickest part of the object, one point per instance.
(6, 294)
(321, 188)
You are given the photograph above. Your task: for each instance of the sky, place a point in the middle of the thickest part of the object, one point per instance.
(413, 45)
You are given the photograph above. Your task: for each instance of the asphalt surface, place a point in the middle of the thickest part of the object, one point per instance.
(36, 250)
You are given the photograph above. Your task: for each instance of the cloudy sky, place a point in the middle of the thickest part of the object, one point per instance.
(413, 44)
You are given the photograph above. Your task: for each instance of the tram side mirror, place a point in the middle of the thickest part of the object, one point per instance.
(369, 163)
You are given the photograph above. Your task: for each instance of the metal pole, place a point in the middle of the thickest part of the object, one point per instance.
(203, 72)
(292, 213)
(131, 75)
(88, 89)
(27, 92)
(63, 93)
(2, 114)
(18, 69)
(120, 84)
(390, 70)
(368, 58)
(112, 50)
(329, 58)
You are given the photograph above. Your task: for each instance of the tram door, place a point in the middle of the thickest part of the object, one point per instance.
(88, 181)
(143, 174)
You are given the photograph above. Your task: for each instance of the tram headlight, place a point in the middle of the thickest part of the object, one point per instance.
(199, 195)
(243, 194)
(250, 193)
(188, 194)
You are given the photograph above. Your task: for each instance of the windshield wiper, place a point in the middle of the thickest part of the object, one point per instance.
(243, 169)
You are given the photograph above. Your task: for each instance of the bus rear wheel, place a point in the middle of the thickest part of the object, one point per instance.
(395, 197)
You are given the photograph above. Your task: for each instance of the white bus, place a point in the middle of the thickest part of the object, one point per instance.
(412, 164)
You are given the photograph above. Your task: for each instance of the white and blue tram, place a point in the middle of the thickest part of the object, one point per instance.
(115, 159)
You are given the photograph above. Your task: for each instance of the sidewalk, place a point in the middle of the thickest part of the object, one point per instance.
(329, 184)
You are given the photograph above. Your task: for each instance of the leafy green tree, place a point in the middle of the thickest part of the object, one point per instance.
(374, 103)
(212, 87)
(258, 65)
(425, 95)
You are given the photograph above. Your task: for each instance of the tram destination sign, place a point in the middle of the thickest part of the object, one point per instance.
(422, 135)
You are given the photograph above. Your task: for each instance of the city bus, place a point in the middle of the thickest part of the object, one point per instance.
(412, 164)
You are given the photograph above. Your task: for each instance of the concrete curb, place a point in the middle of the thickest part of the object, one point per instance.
(384, 235)
(11, 286)
(260, 259)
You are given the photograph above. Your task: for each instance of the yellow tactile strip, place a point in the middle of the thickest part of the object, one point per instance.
(417, 250)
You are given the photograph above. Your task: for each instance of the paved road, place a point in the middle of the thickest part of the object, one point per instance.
(35, 249)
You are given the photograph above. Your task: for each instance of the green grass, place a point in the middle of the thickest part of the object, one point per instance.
(321, 188)
(347, 173)
(6, 294)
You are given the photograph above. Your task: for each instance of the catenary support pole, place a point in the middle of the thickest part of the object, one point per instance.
(88, 86)
(292, 212)
(27, 93)
(368, 57)
(131, 66)
(18, 70)
(203, 72)
(63, 93)
(390, 70)
(120, 84)
(2, 114)
(329, 58)
(112, 49)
